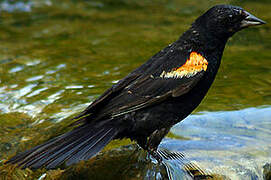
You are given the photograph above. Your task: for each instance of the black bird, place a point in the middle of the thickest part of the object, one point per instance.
(145, 104)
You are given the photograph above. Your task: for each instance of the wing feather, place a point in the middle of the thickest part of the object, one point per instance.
(147, 86)
(146, 93)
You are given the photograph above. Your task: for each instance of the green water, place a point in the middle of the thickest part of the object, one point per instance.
(58, 56)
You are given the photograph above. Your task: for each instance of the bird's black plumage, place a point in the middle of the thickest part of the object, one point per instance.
(145, 104)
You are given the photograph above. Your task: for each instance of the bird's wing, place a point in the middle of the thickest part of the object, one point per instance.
(107, 95)
(117, 88)
(141, 89)
(146, 92)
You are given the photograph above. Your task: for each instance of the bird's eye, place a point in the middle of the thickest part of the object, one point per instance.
(238, 11)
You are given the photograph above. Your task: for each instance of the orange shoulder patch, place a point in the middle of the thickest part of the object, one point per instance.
(192, 66)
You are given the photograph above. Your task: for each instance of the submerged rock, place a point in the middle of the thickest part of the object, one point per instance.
(267, 171)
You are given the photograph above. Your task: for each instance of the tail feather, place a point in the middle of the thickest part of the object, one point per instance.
(33, 155)
(23, 157)
(79, 144)
(91, 148)
(60, 151)
(75, 151)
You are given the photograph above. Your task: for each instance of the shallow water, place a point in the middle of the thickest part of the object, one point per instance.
(56, 57)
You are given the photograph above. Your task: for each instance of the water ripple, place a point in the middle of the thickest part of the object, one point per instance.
(35, 78)
(232, 143)
(16, 69)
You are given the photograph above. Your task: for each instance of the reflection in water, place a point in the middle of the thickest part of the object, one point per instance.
(36, 92)
(16, 69)
(18, 6)
(21, 92)
(56, 57)
(131, 162)
(231, 143)
(74, 87)
(15, 100)
(34, 78)
(178, 166)
(217, 145)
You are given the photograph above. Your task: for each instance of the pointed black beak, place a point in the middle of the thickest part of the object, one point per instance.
(251, 20)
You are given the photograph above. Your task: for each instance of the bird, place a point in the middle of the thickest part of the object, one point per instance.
(145, 104)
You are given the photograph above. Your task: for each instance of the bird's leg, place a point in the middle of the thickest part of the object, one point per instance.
(154, 140)
(142, 142)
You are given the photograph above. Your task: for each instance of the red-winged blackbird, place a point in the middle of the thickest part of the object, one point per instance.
(145, 104)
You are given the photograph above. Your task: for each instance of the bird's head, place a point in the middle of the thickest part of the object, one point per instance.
(224, 20)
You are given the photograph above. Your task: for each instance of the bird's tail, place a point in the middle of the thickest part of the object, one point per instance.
(79, 144)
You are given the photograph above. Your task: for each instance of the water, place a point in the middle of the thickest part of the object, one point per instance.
(56, 57)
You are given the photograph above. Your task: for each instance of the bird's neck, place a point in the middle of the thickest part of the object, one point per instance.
(204, 43)
(197, 39)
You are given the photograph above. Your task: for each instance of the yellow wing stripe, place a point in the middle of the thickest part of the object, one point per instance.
(192, 66)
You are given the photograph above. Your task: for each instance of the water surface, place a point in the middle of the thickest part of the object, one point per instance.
(56, 57)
